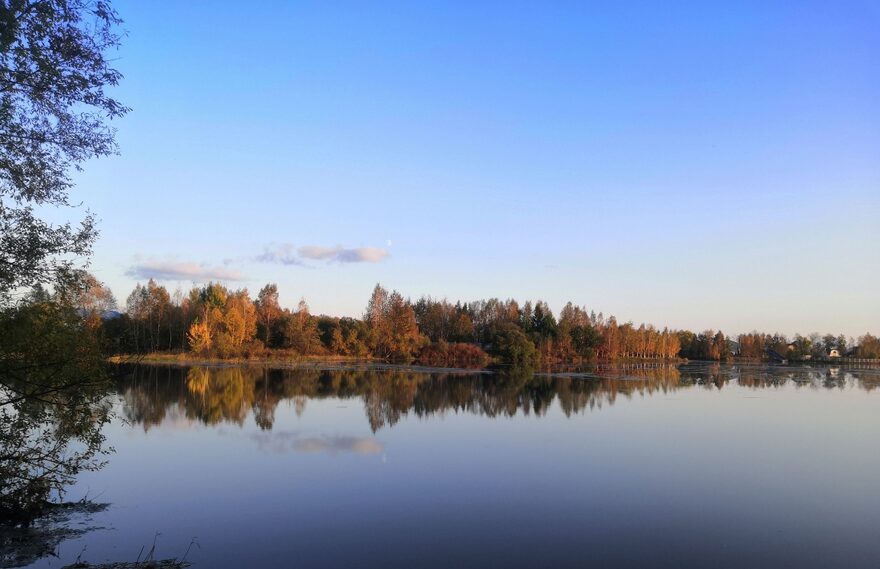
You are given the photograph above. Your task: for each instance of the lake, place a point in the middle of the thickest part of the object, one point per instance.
(691, 465)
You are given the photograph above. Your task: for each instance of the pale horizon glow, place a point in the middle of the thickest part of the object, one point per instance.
(692, 168)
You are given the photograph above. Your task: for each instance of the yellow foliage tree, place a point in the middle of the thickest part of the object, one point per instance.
(240, 319)
(199, 337)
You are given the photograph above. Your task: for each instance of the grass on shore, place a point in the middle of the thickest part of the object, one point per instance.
(274, 357)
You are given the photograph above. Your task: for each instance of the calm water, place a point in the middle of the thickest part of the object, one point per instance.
(681, 466)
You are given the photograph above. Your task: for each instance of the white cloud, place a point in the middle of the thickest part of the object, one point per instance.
(182, 271)
(343, 255)
(317, 253)
(286, 254)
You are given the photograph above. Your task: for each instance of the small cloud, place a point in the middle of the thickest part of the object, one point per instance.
(317, 253)
(362, 255)
(342, 255)
(286, 254)
(182, 271)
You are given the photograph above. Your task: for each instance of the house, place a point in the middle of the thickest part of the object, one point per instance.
(833, 353)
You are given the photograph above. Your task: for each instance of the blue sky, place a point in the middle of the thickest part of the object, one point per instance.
(688, 164)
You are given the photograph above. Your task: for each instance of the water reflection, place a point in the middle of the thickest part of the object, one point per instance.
(154, 395)
(284, 441)
(609, 466)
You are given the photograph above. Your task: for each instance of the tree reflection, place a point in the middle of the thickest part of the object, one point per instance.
(212, 395)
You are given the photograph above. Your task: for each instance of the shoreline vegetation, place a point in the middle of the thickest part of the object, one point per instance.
(280, 358)
(213, 323)
(285, 360)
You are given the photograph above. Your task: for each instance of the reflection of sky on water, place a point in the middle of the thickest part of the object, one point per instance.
(285, 441)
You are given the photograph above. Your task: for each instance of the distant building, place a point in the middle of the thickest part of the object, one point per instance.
(792, 347)
(833, 353)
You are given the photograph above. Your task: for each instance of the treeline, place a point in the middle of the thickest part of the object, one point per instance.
(754, 344)
(215, 321)
(712, 345)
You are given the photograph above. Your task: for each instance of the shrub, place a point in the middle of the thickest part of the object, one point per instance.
(455, 354)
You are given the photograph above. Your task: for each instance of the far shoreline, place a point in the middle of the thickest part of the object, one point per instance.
(332, 363)
(321, 363)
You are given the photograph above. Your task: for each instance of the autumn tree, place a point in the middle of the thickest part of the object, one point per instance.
(404, 338)
(158, 308)
(752, 345)
(394, 331)
(149, 308)
(869, 347)
(226, 321)
(720, 349)
(268, 310)
(610, 346)
(376, 318)
(238, 325)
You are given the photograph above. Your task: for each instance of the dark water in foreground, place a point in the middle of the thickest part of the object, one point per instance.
(682, 466)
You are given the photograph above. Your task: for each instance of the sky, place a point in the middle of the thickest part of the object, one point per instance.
(692, 165)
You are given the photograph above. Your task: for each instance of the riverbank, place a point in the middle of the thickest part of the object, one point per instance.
(281, 358)
(338, 363)
(323, 363)
(844, 361)
(293, 360)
